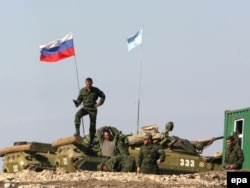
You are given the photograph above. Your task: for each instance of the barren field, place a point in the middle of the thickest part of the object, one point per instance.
(61, 179)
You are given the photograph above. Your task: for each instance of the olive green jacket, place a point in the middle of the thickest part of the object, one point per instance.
(89, 98)
(234, 155)
(147, 158)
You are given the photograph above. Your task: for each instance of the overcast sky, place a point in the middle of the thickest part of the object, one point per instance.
(195, 65)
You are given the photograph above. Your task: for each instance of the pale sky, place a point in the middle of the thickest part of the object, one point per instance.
(195, 65)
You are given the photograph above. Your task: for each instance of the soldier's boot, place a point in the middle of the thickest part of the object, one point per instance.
(77, 133)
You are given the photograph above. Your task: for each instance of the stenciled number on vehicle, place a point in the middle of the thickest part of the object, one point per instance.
(187, 162)
(15, 168)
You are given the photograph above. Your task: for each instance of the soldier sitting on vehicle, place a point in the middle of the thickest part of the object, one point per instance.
(169, 141)
(169, 127)
(119, 163)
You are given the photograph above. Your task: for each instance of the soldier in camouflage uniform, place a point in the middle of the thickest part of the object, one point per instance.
(88, 96)
(234, 155)
(150, 156)
(119, 163)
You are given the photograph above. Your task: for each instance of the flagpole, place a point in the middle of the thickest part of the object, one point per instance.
(138, 111)
(133, 42)
(77, 77)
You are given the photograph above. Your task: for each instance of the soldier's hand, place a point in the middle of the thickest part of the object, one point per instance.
(75, 102)
(226, 166)
(231, 166)
(158, 161)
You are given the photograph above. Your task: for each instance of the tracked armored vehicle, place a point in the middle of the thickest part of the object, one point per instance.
(72, 154)
(28, 155)
(182, 156)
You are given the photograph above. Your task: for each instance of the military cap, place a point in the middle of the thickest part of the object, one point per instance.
(230, 138)
(147, 136)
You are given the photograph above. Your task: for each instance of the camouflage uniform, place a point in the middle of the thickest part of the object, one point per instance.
(89, 98)
(122, 145)
(234, 155)
(119, 163)
(147, 158)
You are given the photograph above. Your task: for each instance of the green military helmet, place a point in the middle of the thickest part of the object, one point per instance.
(169, 126)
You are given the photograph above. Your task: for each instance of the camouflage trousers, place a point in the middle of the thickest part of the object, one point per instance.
(92, 112)
(120, 163)
(150, 169)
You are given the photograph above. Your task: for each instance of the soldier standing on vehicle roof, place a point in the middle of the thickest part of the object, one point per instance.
(234, 155)
(150, 156)
(88, 96)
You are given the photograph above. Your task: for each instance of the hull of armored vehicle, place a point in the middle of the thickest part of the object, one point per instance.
(72, 159)
(28, 155)
(18, 161)
(73, 154)
(181, 157)
(181, 163)
(82, 162)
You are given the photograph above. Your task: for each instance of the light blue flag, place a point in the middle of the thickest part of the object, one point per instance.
(135, 40)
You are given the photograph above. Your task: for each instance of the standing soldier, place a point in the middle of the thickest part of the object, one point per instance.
(150, 156)
(234, 155)
(88, 96)
(107, 142)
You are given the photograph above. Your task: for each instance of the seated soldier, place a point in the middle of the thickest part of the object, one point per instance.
(168, 141)
(119, 163)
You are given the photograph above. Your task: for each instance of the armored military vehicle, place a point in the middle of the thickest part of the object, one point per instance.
(73, 153)
(28, 155)
(182, 156)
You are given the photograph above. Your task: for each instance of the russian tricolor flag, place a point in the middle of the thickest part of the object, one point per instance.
(58, 49)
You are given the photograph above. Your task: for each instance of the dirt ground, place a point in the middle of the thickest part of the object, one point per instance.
(97, 184)
(89, 184)
(50, 179)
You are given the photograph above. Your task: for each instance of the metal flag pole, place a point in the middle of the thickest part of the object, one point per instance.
(138, 112)
(77, 77)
